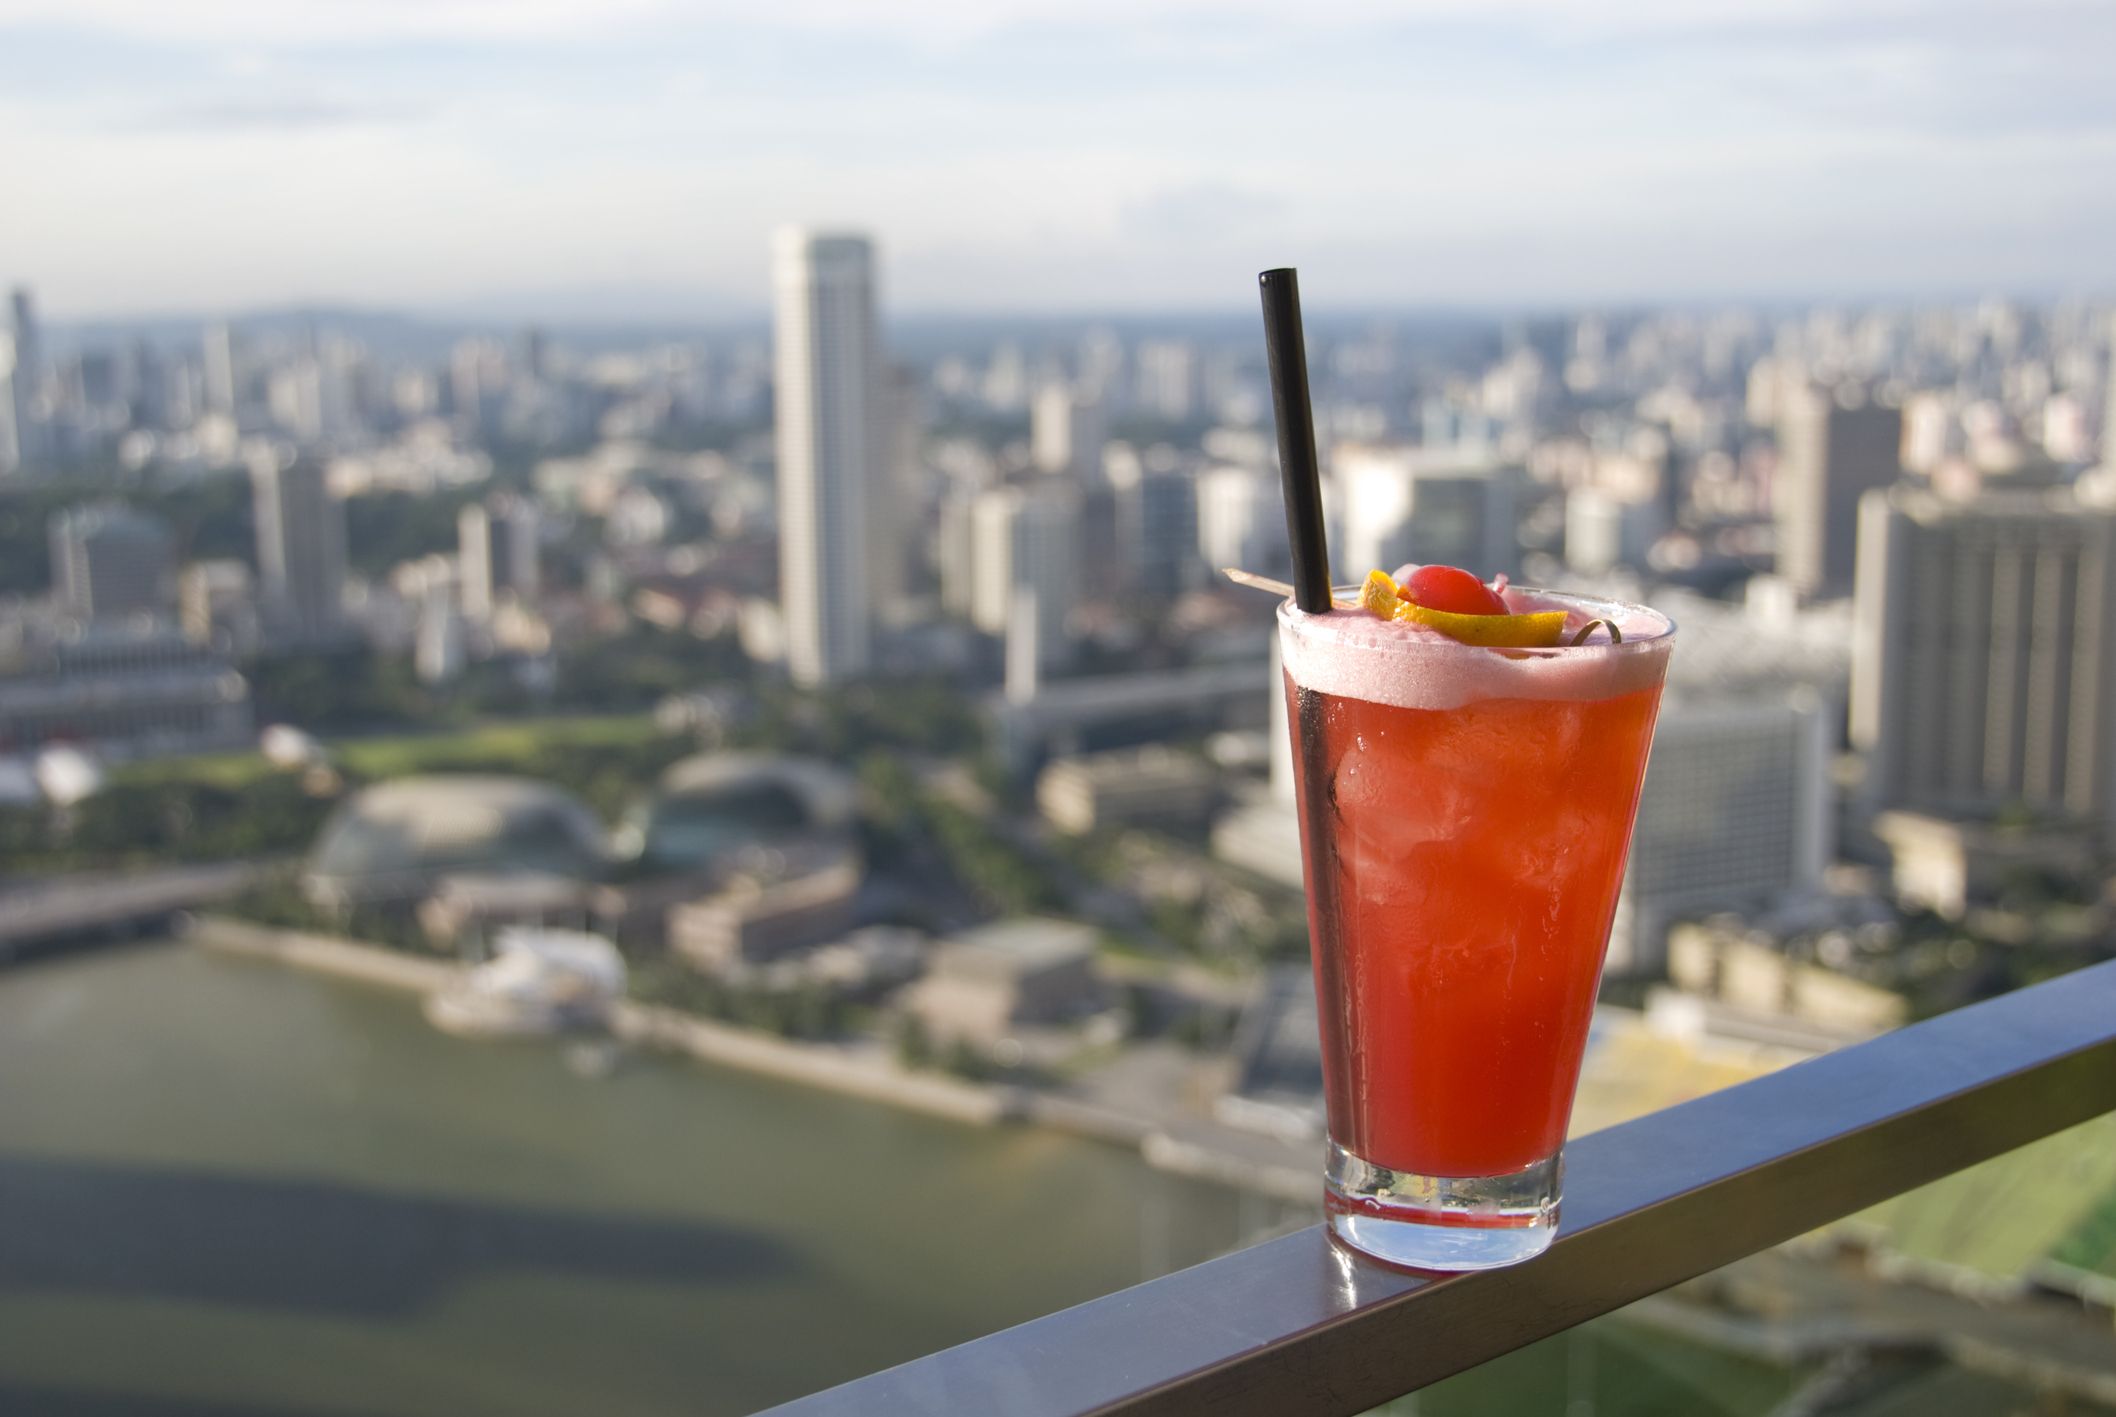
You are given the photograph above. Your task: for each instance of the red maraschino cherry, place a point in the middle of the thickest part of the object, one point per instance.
(1453, 590)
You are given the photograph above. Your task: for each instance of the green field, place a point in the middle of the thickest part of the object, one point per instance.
(497, 746)
(1999, 1218)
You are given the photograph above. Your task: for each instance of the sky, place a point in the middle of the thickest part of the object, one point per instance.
(570, 156)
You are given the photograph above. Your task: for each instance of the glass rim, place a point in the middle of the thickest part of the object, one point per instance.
(1596, 606)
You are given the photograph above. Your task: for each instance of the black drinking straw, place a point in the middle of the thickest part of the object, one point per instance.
(1300, 479)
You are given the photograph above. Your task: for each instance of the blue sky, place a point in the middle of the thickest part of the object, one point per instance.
(1052, 155)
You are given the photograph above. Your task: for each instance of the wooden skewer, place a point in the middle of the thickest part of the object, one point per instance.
(1278, 588)
(1255, 581)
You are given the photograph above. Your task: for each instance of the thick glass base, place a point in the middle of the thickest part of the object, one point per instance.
(1441, 1222)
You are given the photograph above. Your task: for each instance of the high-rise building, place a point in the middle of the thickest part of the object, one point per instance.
(1157, 532)
(1407, 504)
(1984, 663)
(1603, 532)
(1734, 816)
(1241, 521)
(222, 376)
(21, 382)
(438, 653)
(109, 561)
(832, 449)
(1066, 431)
(10, 419)
(217, 605)
(1025, 541)
(497, 553)
(300, 546)
(1170, 385)
(1831, 452)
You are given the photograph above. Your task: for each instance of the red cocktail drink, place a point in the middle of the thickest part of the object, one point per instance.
(1465, 816)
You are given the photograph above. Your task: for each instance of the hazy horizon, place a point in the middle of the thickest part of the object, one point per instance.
(571, 311)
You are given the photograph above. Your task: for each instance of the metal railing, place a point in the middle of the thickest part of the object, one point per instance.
(1299, 1326)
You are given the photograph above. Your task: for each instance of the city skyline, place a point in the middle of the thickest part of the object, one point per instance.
(1030, 157)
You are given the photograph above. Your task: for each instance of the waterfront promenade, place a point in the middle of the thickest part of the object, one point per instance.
(1153, 1122)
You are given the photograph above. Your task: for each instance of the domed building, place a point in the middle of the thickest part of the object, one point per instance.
(712, 806)
(392, 842)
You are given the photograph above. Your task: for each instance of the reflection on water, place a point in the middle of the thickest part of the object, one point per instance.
(282, 1243)
(229, 1188)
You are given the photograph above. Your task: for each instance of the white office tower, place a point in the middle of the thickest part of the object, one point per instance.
(1431, 506)
(1984, 661)
(1735, 815)
(832, 459)
(1260, 831)
(109, 562)
(1832, 450)
(295, 396)
(300, 546)
(1024, 648)
(1066, 431)
(1169, 383)
(20, 380)
(955, 551)
(497, 554)
(1241, 521)
(1282, 785)
(1026, 539)
(222, 379)
(438, 650)
(1604, 531)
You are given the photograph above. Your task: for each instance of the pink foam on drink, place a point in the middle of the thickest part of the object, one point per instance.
(1352, 654)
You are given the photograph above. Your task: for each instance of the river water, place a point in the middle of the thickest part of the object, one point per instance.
(230, 1187)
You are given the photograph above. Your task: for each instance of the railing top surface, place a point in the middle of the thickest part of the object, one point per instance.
(1300, 1326)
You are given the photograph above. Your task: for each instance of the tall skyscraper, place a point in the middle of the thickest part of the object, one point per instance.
(1241, 521)
(10, 420)
(497, 553)
(1025, 549)
(31, 450)
(1984, 666)
(218, 347)
(1169, 381)
(108, 561)
(833, 455)
(1065, 431)
(1830, 454)
(1157, 532)
(300, 546)
(1406, 504)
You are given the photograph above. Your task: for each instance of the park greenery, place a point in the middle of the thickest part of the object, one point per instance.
(240, 806)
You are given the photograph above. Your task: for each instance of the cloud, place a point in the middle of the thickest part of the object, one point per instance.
(292, 113)
(301, 22)
(273, 23)
(1016, 152)
(1202, 211)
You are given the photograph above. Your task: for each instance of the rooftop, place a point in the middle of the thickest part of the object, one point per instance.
(1011, 948)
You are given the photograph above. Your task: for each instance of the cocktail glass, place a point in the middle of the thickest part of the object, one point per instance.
(1465, 814)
